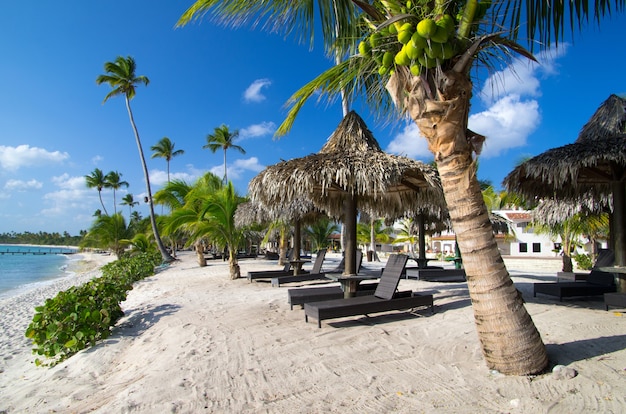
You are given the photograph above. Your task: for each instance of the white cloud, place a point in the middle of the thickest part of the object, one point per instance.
(257, 130)
(237, 168)
(506, 124)
(253, 92)
(96, 160)
(521, 77)
(410, 143)
(19, 185)
(66, 182)
(14, 158)
(159, 177)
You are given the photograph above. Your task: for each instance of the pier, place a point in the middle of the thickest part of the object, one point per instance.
(37, 252)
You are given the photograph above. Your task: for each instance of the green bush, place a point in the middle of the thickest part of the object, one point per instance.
(583, 261)
(83, 315)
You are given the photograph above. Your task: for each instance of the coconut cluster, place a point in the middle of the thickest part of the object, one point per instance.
(418, 42)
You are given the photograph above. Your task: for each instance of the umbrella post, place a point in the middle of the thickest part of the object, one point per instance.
(619, 227)
(350, 229)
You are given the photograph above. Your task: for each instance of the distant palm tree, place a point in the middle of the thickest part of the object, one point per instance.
(114, 180)
(320, 232)
(120, 75)
(223, 138)
(108, 232)
(97, 180)
(129, 201)
(165, 149)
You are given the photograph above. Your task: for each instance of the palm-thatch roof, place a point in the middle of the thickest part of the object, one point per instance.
(588, 167)
(594, 167)
(351, 163)
(299, 210)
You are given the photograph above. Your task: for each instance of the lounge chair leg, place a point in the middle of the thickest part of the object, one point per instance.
(306, 318)
(319, 324)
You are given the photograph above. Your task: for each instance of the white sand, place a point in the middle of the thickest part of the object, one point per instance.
(193, 341)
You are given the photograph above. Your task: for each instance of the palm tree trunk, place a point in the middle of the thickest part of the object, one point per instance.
(233, 264)
(103, 207)
(200, 253)
(510, 342)
(166, 256)
(225, 175)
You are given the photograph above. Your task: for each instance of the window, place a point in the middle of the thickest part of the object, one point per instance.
(523, 248)
(536, 247)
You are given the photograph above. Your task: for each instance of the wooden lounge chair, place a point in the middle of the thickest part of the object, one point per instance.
(314, 274)
(437, 275)
(384, 299)
(597, 283)
(300, 296)
(268, 274)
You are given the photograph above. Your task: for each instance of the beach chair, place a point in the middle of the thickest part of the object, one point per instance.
(268, 274)
(314, 274)
(384, 299)
(597, 283)
(300, 296)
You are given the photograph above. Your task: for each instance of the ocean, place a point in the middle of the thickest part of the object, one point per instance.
(22, 266)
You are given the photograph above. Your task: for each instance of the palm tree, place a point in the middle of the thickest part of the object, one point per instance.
(109, 232)
(129, 200)
(320, 231)
(408, 233)
(97, 180)
(120, 75)
(224, 139)
(165, 149)
(114, 180)
(188, 214)
(432, 84)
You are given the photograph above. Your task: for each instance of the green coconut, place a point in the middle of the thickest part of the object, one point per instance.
(388, 59)
(401, 58)
(427, 28)
(411, 51)
(446, 21)
(365, 49)
(416, 69)
(375, 39)
(418, 41)
(440, 36)
(427, 62)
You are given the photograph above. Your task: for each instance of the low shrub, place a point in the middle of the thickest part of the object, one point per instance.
(583, 261)
(83, 315)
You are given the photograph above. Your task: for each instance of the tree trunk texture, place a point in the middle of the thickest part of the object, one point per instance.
(233, 264)
(200, 253)
(510, 342)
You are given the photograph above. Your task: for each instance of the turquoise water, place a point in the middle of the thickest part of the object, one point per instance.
(41, 264)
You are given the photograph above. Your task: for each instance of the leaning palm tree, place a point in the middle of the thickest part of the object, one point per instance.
(120, 75)
(165, 149)
(418, 56)
(97, 180)
(114, 181)
(224, 139)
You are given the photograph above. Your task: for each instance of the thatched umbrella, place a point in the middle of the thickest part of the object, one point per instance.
(298, 211)
(351, 169)
(592, 167)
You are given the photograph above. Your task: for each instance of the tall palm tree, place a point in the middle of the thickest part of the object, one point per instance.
(432, 85)
(114, 181)
(223, 138)
(165, 149)
(120, 75)
(98, 181)
(129, 200)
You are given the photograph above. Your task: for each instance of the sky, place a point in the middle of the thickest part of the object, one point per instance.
(55, 128)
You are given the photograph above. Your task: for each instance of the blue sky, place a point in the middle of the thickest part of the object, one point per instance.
(54, 129)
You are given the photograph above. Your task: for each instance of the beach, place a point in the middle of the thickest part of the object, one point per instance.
(194, 341)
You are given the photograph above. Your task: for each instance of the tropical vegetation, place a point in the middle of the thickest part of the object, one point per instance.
(223, 138)
(417, 57)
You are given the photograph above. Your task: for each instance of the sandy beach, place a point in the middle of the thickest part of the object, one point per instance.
(192, 341)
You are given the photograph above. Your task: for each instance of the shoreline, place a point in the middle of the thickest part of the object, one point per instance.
(191, 340)
(17, 306)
